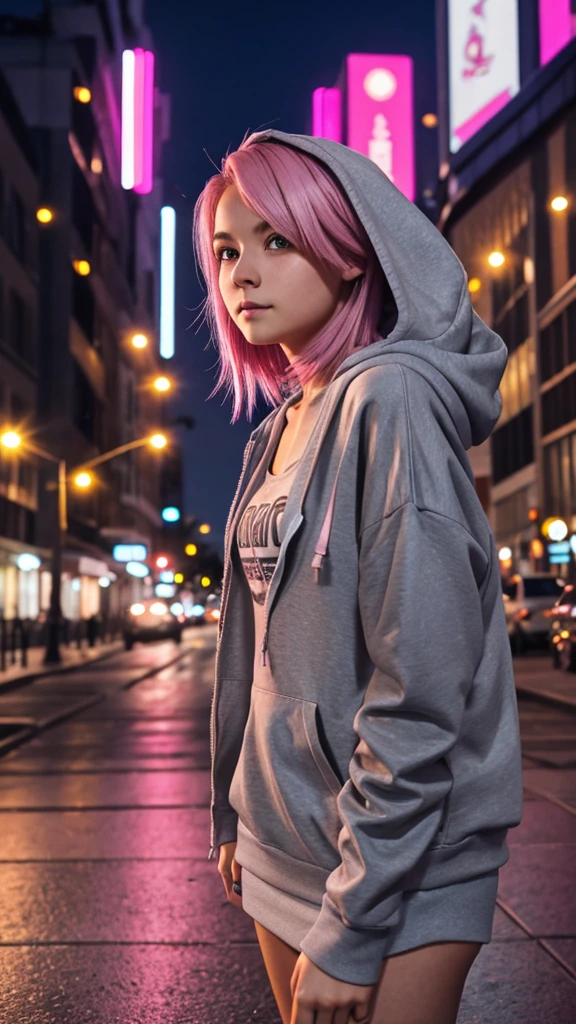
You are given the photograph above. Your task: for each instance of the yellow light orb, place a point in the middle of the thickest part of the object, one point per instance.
(205, 581)
(44, 215)
(178, 577)
(496, 259)
(191, 549)
(162, 384)
(82, 94)
(83, 479)
(81, 267)
(10, 439)
(96, 165)
(139, 340)
(158, 441)
(430, 120)
(474, 284)
(204, 528)
(559, 203)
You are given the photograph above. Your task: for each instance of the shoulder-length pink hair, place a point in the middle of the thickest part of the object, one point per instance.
(301, 198)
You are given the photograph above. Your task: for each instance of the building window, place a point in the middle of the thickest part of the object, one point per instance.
(560, 476)
(559, 405)
(512, 446)
(17, 226)
(84, 404)
(83, 305)
(17, 330)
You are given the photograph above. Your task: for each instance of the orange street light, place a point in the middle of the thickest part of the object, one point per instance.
(162, 384)
(139, 340)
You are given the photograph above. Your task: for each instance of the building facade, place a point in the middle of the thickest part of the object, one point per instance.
(98, 270)
(507, 202)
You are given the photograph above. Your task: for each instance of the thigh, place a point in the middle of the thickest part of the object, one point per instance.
(280, 961)
(424, 985)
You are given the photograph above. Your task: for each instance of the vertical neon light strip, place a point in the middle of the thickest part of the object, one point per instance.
(318, 112)
(127, 158)
(327, 114)
(167, 275)
(138, 118)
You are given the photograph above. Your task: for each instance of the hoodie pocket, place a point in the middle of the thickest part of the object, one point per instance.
(284, 788)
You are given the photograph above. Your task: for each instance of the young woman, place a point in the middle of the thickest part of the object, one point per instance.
(364, 730)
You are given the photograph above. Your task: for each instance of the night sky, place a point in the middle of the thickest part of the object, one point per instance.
(229, 68)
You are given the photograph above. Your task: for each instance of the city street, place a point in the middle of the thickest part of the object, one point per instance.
(111, 912)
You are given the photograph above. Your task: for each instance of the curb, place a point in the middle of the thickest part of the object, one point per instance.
(7, 685)
(547, 697)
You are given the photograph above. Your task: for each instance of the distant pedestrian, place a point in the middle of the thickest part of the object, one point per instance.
(364, 732)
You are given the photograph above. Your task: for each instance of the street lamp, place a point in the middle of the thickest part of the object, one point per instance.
(12, 440)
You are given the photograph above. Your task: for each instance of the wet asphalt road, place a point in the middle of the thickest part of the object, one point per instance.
(110, 911)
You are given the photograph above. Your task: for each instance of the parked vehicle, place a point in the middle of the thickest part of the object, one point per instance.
(563, 630)
(151, 619)
(526, 599)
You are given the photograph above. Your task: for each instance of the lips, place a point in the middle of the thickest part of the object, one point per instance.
(251, 305)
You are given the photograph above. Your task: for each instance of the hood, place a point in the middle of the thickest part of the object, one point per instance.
(437, 331)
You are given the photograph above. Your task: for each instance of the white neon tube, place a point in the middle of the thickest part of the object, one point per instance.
(167, 280)
(128, 77)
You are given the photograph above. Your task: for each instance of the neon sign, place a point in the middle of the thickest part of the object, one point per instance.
(137, 120)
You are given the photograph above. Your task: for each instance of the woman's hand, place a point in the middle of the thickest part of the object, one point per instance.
(333, 1001)
(230, 872)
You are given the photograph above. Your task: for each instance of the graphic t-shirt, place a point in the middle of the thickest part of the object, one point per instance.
(258, 530)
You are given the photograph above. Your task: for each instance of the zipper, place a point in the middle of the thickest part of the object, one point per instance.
(224, 603)
(268, 601)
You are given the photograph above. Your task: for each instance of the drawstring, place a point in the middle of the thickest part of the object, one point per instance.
(322, 542)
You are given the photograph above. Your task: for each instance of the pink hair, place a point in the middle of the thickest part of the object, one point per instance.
(305, 203)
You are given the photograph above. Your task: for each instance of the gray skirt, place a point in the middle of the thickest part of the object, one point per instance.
(463, 912)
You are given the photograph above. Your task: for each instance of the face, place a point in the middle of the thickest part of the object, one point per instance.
(259, 265)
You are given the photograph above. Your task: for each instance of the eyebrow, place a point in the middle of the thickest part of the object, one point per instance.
(261, 226)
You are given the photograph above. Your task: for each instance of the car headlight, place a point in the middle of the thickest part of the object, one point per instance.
(158, 608)
(137, 609)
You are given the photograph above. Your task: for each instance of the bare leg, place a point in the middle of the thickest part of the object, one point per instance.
(280, 961)
(420, 986)
(424, 985)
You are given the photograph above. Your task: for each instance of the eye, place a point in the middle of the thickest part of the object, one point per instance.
(219, 254)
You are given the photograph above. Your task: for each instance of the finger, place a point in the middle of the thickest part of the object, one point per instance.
(360, 1014)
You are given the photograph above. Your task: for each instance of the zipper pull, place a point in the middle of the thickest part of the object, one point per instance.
(212, 852)
(263, 649)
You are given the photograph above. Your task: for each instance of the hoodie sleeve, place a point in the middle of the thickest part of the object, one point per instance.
(420, 574)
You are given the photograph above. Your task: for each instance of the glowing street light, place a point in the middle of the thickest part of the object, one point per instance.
(430, 121)
(191, 549)
(82, 94)
(10, 439)
(204, 528)
(44, 215)
(83, 479)
(559, 203)
(496, 259)
(82, 267)
(158, 441)
(162, 384)
(139, 340)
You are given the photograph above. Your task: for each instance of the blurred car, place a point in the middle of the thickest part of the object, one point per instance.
(563, 630)
(151, 619)
(527, 599)
(212, 609)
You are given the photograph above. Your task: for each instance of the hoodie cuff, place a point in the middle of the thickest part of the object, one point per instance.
(225, 826)
(350, 954)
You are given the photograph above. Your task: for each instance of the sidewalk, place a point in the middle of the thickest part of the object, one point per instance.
(17, 675)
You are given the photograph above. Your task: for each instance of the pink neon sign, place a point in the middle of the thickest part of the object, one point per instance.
(380, 114)
(137, 120)
(327, 114)
(557, 26)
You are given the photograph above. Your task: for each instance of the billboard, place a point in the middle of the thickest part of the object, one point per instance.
(557, 26)
(484, 64)
(380, 114)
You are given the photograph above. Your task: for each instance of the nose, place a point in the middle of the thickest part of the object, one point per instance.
(245, 271)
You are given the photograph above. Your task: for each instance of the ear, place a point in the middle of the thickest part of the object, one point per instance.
(351, 273)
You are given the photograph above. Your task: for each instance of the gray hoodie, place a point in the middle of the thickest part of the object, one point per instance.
(386, 756)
